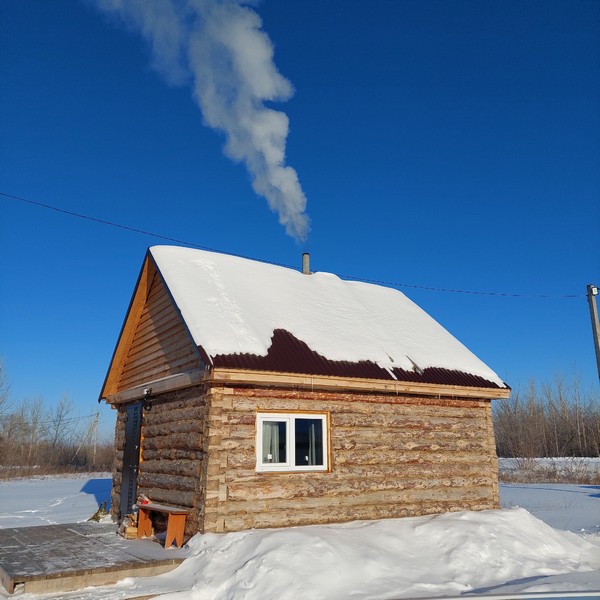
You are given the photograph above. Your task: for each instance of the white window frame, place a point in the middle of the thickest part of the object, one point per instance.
(290, 441)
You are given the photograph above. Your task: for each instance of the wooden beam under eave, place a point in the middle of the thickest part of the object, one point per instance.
(136, 306)
(159, 386)
(322, 382)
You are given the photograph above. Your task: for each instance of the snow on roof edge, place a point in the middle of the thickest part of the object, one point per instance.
(232, 305)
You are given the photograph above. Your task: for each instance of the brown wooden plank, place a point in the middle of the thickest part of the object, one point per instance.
(136, 306)
(172, 341)
(159, 370)
(160, 386)
(154, 342)
(275, 379)
(168, 355)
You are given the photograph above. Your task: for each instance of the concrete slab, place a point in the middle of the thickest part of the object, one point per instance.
(57, 558)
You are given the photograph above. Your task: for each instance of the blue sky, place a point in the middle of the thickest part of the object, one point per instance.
(442, 144)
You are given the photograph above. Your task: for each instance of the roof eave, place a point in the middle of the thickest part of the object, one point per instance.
(229, 376)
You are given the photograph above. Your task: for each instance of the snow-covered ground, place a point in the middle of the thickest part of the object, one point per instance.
(570, 507)
(547, 538)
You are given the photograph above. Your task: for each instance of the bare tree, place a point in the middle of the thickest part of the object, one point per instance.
(556, 419)
(60, 422)
(4, 391)
(35, 438)
(33, 413)
(13, 429)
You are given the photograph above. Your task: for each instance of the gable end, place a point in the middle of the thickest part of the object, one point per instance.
(154, 341)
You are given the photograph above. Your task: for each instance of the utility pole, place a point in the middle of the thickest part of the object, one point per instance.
(592, 292)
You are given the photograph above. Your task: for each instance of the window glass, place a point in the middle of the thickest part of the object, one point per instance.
(309, 441)
(274, 442)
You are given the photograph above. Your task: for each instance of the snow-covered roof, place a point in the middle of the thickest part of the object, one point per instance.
(233, 306)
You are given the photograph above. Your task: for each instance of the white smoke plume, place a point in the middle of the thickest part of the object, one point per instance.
(219, 48)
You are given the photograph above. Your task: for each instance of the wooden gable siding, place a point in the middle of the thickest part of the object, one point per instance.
(390, 457)
(161, 345)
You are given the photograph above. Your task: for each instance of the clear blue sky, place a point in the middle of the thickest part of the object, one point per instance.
(447, 144)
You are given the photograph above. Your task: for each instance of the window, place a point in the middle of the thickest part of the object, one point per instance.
(291, 442)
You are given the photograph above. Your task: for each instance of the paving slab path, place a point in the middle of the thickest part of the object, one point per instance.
(54, 558)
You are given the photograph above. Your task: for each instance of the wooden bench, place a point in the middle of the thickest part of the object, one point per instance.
(175, 522)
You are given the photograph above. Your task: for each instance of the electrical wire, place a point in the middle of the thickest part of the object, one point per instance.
(349, 277)
(455, 291)
(133, 229)
(74, 419)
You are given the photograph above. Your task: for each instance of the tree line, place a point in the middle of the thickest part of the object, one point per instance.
(554, 419)
(39, 439)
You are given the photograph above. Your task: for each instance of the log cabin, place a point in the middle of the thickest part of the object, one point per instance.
(254, 395)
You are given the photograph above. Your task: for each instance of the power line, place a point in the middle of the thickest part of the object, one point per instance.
(350, 277)
(102, 221)
(455, 291)
(74, 419)
(134, 229)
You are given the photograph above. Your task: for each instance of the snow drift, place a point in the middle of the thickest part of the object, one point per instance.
(446, 554)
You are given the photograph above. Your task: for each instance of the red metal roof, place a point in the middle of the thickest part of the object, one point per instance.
(287, 354)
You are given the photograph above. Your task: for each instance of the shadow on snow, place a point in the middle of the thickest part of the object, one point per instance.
(99, 488)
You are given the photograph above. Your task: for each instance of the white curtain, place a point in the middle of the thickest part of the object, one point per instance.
(270, 442)
(312, 444)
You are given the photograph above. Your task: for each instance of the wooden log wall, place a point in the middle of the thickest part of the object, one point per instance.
(391, 456)
(117, 469)
(172, 466)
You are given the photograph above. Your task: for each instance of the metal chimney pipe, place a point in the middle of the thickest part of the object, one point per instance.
(306, 263)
